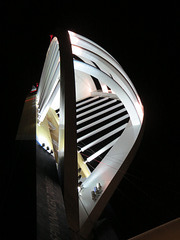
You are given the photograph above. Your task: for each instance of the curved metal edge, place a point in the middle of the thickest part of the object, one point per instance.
(99, 207)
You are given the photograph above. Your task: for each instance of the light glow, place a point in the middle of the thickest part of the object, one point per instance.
(73, 38)
(104, 88)
(140, 109)
(76, 50)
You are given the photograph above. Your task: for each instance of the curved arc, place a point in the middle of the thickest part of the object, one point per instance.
(42, 79)
(95, 45)
(120, 92)
(48, 63)
(54, 57)
(53, 73)
(49, 78)
(110, 68)
(46, 107)
(54, 82)
(87, 44)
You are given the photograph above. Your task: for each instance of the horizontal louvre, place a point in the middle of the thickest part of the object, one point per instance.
(96, 108)
(92, 104)
(102, 128)
(101, 113)
(100, 122)
(82, 102)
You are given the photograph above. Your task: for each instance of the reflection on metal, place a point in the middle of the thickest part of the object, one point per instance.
(92, 133)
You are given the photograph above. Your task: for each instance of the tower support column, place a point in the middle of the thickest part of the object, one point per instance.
(67, 159)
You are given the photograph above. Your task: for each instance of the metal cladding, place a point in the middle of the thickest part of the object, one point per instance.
(99, 117)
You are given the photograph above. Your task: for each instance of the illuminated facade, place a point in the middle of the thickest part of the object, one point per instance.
(90, 118)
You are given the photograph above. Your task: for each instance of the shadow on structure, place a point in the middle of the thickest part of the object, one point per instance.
(51, 217)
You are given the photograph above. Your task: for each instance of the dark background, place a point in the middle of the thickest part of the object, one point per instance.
(144, 39)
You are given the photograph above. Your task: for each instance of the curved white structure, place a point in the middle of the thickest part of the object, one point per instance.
(106, 124)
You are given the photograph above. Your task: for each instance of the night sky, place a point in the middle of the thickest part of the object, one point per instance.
(144, 39)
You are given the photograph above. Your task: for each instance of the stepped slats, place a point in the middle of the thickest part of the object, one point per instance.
(100, 122)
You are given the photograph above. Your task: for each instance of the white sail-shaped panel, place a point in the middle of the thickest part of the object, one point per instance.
(109, 121)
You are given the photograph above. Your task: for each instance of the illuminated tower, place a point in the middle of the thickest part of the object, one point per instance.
(89, 118)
